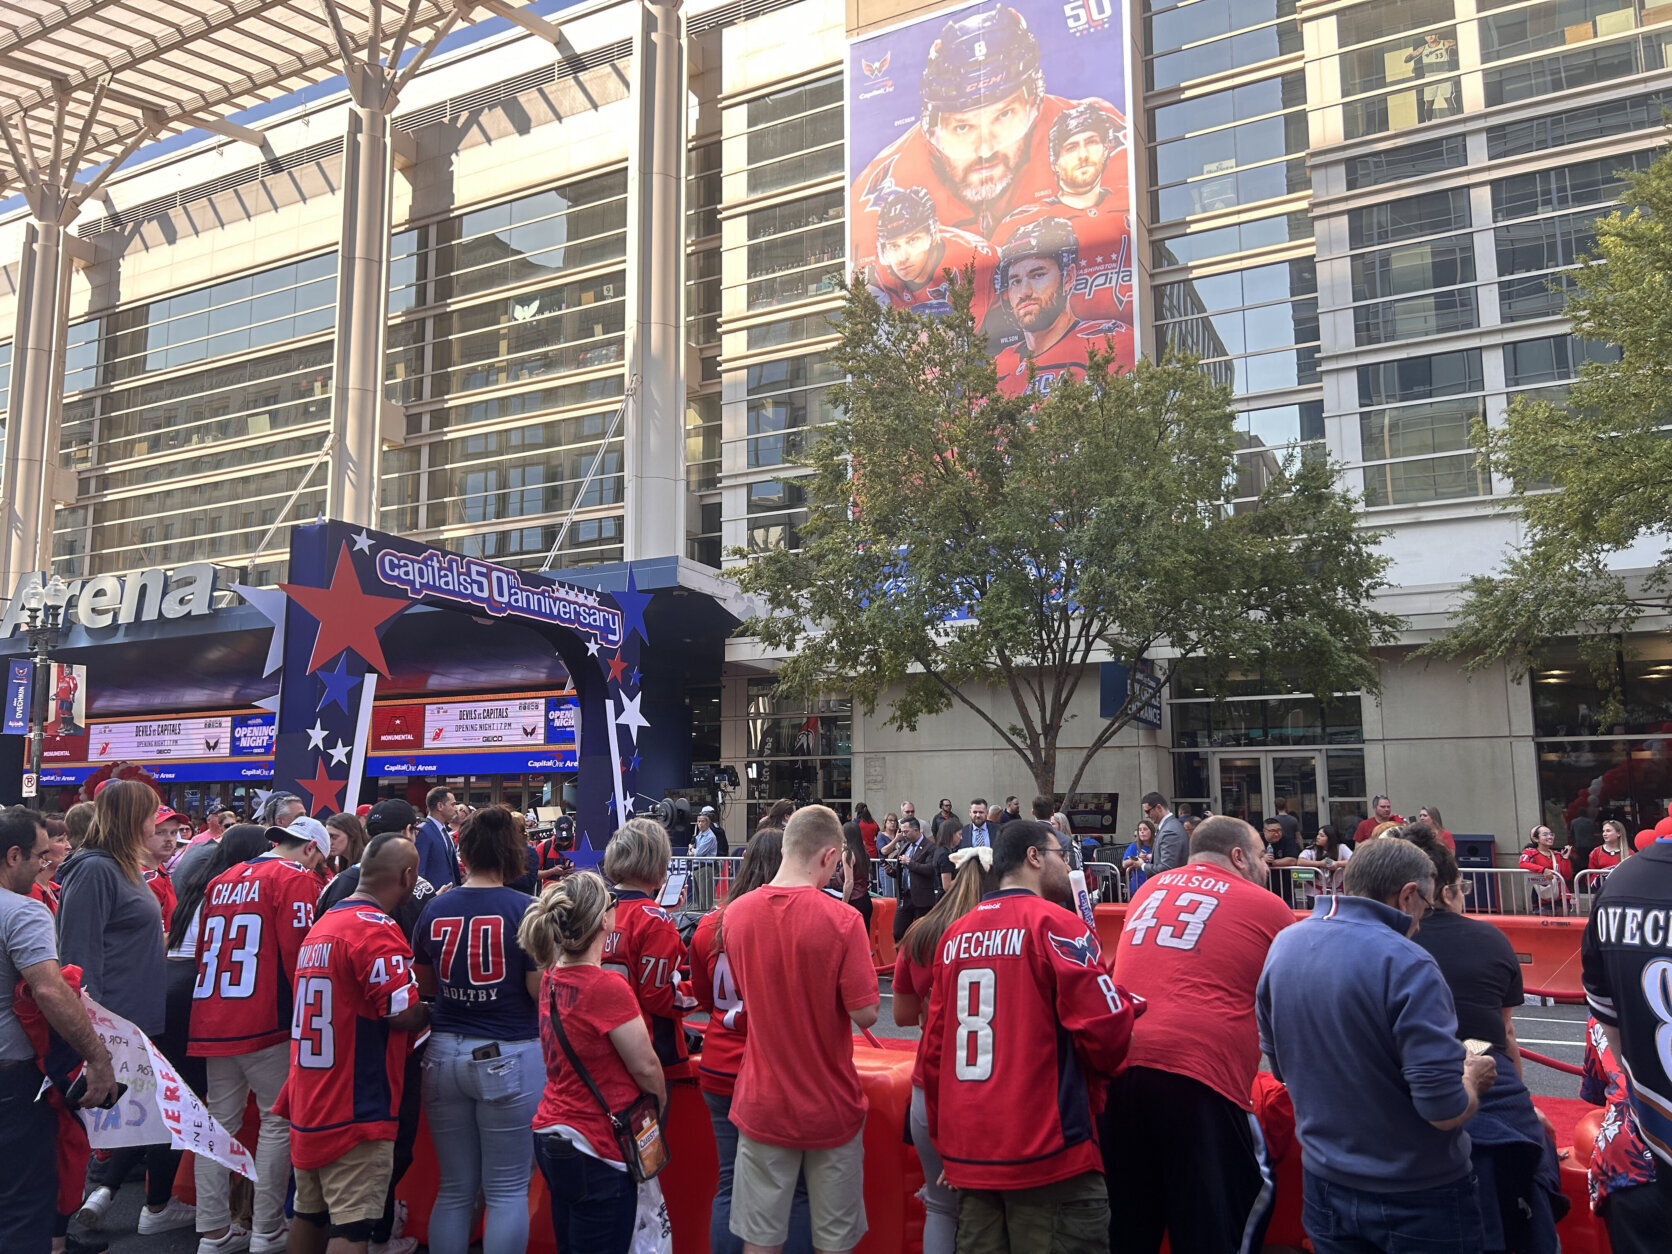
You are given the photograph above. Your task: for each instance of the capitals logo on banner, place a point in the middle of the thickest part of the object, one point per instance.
(1040, 206)
(347, 587)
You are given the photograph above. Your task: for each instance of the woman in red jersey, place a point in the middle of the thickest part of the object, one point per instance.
(594, 1199)
(1606, 856)
(722, 1051)
(914, 968)
(1549, 872)
(644, 945)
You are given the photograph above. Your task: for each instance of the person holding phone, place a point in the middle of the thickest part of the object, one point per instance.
(644, 945)
(483, 1072)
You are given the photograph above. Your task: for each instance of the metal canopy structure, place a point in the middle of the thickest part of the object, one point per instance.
(85, 82)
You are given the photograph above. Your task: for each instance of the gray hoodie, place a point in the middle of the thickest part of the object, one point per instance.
(112, 929)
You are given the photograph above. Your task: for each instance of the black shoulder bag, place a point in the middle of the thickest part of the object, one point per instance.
(638, 1128)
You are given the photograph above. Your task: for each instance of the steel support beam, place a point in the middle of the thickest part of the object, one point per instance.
(656, 505)
(362, 308)
(36, 402)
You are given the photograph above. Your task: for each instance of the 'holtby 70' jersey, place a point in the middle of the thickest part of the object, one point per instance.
(347, 1066)
(1627, 962)
(254, 918)
(1025, 1024)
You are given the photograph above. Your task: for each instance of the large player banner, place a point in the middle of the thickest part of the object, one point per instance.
(995, 135)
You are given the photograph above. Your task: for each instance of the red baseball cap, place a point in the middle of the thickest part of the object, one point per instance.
(361, 812)
(164, 814)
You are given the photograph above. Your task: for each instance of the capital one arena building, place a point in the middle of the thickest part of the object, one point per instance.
(552, 287)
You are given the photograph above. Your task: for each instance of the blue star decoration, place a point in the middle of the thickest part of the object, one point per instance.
(339, 685)
(634, 677)
(632, 603)
(634, 761)
(609, 805)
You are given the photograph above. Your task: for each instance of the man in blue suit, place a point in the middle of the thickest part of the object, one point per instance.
(979, 831)
(437, 861)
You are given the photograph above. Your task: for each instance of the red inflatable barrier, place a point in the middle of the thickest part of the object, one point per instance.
(882, 933)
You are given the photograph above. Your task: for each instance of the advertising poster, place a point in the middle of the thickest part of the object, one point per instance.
(66, 711)
(995, 135)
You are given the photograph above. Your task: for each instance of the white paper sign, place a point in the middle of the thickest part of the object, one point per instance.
(159, 1107)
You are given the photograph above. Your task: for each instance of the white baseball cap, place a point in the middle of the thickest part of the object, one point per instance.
(707, 810)
(314, 830)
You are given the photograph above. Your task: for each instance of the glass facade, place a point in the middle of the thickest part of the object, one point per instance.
(797, 749)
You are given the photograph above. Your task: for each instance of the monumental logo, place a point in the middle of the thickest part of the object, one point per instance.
(499, 591)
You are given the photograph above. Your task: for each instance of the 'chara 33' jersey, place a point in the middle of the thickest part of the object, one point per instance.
(1627, 962)
(253, 921)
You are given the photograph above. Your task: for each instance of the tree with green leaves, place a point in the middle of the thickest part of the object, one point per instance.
(1591, 471)
(959, 538)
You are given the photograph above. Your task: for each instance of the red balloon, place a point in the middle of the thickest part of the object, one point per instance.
(1664, 827)
(1645, 838)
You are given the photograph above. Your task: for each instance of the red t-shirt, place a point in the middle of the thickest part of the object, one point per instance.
(1194, 943)
(646, 950)
(347, 1066)
(593, 1002)
(919, 982)
(253, 920)
(868, 837)
(1447, 839)
(1602, 859)
(808, 959)
(716, 992)
(157, 880)
(1367, 828)
(1025, 1026)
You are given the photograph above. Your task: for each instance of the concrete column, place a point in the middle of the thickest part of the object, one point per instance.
(655, 434)
(362, 304)
(37, 393)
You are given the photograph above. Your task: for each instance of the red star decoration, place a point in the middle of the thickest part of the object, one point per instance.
(617, 668)
(348, 618)
(322, 789)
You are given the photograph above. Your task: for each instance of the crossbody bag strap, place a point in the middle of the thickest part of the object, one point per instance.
(575, 1062)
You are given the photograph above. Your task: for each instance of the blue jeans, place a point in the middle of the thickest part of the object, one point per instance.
(28, 1162)
(481, 1116)
(593, 1203)
(721, 1239)
(1442, 1220)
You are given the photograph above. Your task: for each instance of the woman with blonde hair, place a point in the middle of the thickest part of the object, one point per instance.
(645, 947)
(110, 924)
(914, 967)
(594, 1198)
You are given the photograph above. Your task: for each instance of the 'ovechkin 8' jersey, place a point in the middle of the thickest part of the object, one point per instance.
(1025, 1026)
(1627, 961)
(253, 920)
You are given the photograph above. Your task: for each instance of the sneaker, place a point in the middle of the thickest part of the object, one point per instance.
(270, 1242)
(398, 1225)
(394, 1245)
(236, 1241)
(92, 1212)
(176, 1214)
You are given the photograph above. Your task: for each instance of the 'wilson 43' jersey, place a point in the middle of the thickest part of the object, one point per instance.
(347, 1065)
(1627, 964)
(253, 921)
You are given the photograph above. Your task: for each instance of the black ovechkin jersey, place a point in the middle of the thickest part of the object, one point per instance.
(1627, 960)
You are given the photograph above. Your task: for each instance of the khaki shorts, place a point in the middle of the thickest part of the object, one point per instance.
(763, 1189)
(354, 1187)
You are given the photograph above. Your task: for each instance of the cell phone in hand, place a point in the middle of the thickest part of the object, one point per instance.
(673, 889)
(78, 1090)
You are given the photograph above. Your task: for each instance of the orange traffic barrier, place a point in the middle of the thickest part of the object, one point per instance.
(1549, 952)
(882, 932)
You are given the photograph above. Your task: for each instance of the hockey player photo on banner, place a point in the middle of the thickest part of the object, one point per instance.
(995, 135)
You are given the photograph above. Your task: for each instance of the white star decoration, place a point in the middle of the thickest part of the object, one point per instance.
(317, 735)
(262, 795)
(339, 755)
(591, 648)
(630, 717)
(271, 603)
(362, 542)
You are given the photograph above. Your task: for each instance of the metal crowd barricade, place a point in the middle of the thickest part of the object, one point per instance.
(710, 880)
(1586, 886)
(1105, 882)
(1512, 890)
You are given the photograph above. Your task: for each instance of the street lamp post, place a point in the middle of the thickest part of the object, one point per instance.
(43, 610)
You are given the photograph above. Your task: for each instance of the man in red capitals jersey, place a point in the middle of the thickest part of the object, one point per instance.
(645, 946)
(356, 1010)
(977, 147)
(1037, 270)
(1182, 1112)
(1081, 143)
(254, 917)
(1022, 1008)
(918, 259)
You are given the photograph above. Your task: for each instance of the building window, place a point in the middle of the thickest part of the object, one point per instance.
(795, 136)
(1420, 378)
(795, 250)
(1197, 246)
(1389, 165)
(785, 400)
(1409, 217)
(1266, 437)
(1575, 126)
(798, 750)
(1551, 358)
(1250, 33)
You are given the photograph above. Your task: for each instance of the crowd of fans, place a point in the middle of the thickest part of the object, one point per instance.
(345, 974)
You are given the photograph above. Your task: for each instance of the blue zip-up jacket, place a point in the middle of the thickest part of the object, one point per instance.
(1358, 1022)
